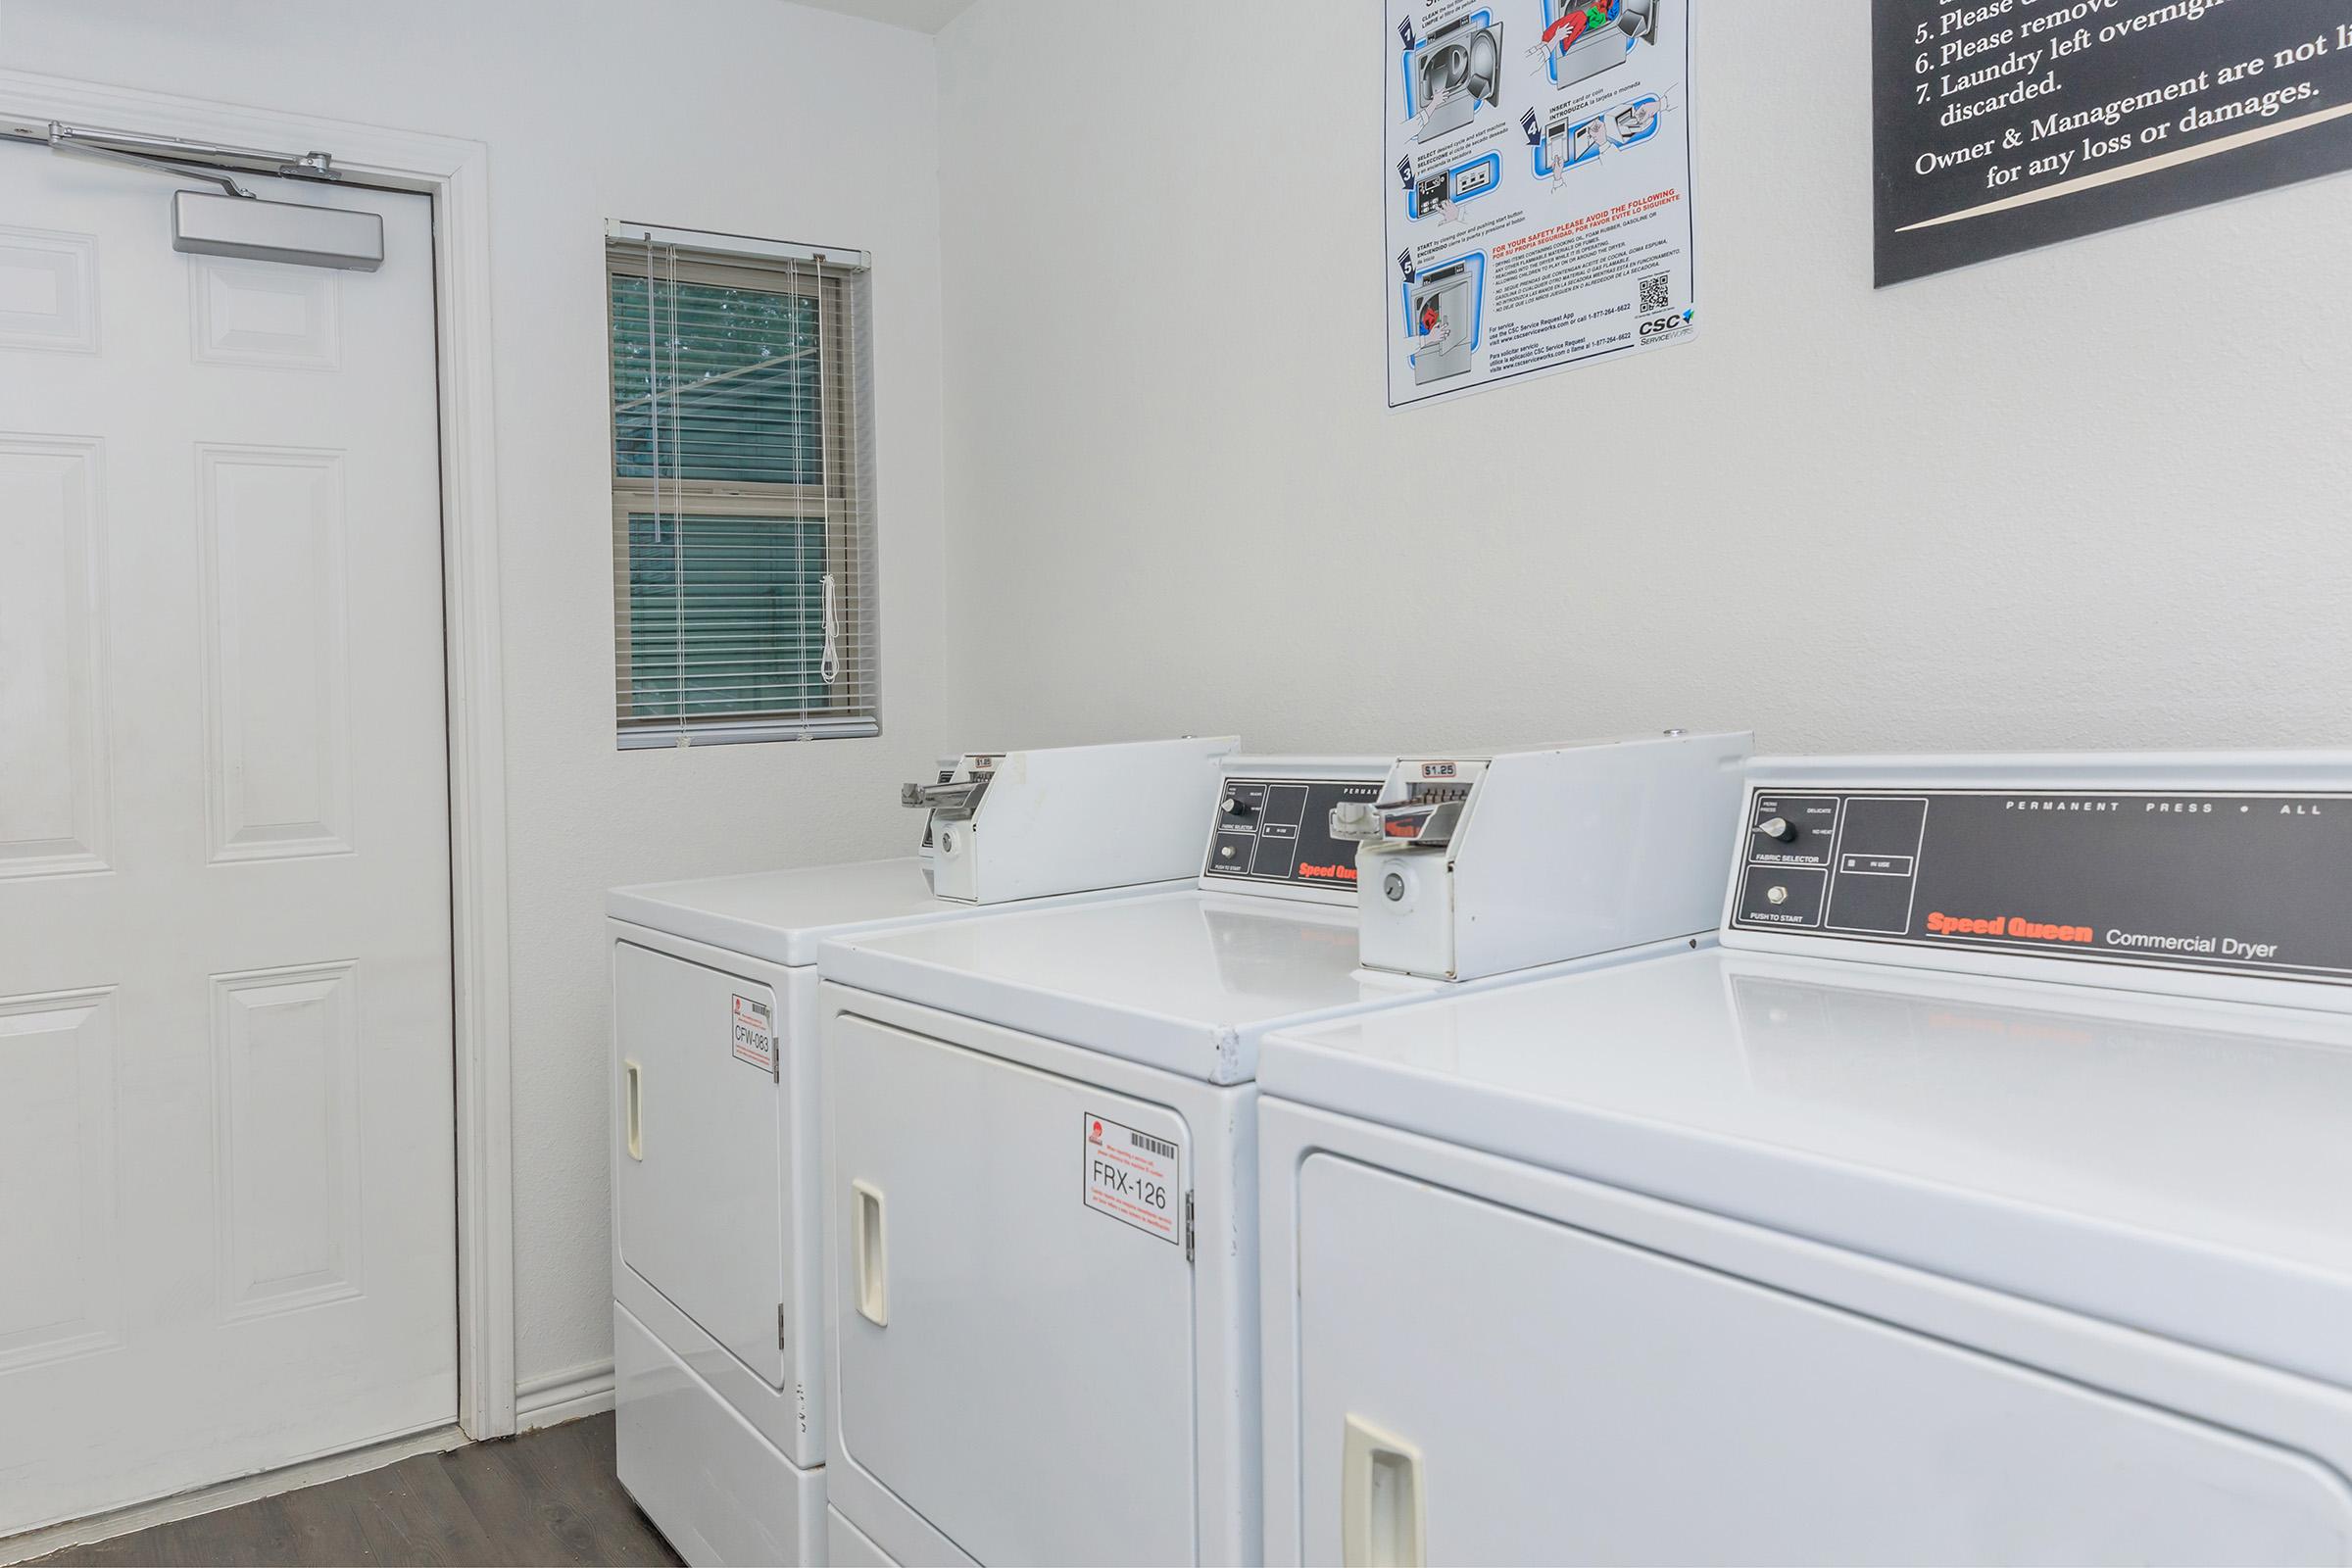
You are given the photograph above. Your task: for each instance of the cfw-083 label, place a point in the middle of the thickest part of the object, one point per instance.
(752, 1031)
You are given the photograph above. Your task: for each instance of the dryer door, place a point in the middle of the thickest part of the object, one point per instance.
(1479, 1385)
(698, 1189)
(1016, 1362)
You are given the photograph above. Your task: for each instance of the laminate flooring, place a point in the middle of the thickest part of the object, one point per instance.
(546, 1497)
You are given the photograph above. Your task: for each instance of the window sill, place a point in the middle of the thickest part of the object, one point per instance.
(670, 737)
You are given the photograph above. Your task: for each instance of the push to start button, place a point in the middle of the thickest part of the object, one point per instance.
(1781, 897)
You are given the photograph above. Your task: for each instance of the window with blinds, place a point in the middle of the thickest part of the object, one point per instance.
(743, 532)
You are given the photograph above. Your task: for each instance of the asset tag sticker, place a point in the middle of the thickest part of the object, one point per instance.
(755, 1034)
(1134, 1177)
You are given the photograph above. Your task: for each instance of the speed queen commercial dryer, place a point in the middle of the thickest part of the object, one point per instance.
(1043, 1250)
(1985, 1197)
(716, 1258)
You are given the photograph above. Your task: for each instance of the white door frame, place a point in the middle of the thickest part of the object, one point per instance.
(454, 173)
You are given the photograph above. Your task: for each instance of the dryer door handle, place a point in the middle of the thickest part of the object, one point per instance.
(1379, 1499)
(632, 1112)
(869, 1248)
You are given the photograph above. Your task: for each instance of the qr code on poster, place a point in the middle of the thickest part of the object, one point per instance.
(1656, 296)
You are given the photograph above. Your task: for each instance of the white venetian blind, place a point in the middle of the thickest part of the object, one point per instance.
(743, 529)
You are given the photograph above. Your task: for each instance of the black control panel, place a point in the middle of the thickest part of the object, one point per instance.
(2224, 882)
(1278, 830)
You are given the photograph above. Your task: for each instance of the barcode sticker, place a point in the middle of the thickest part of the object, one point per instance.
(1134, 1178)
(755, 1034)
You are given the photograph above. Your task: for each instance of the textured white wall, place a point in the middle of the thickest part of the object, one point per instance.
(746, 116)
(2092, 496)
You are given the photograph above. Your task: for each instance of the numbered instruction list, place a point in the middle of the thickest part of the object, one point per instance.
(2005, 125)
(1539, 188)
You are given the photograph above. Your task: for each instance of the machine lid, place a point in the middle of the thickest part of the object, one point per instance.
(1188, 982)
(1185, 981)
(780, 916)
(2177, 1165)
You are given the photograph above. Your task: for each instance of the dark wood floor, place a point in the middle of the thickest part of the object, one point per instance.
(546, 1497)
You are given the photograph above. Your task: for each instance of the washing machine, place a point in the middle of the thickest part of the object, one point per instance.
(1458, 68)
(1985, 1196)
(717, 1313)
(1043, 1133)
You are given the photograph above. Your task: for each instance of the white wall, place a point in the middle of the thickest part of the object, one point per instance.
(747, 116)
(2092, 496)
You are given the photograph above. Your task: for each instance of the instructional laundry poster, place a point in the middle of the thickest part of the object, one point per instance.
(1539, 188)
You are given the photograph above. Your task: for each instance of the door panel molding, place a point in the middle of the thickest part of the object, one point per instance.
(262, 312)
(57, 1118)
(453, 173)
(286, 1138)
(48, 289)
(270, 524)
(54, 804)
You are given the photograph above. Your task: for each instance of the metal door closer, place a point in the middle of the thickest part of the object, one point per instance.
(716, 1168)
(1041, 1125)
(1984, 1197)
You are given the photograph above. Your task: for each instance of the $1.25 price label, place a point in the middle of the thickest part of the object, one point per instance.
(1135, 1178)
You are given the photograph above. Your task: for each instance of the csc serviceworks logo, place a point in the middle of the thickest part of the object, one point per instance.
(1660, 325)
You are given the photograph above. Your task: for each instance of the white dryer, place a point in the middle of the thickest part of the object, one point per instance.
(718, 1313)
(1042, 1130)
(1985, 1196)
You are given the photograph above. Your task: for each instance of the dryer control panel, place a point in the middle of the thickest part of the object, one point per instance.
(2226, 881)
(1277, 830)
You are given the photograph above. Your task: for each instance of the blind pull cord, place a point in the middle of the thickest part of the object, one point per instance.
(828, 667)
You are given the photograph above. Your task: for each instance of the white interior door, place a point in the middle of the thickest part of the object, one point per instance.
(227, 1161)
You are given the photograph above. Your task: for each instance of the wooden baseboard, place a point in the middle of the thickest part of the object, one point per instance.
(561, 1396)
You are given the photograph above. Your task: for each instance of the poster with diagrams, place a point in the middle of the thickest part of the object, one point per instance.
(1539, 188)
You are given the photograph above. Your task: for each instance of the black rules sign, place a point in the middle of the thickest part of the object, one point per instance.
(2004, 124)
